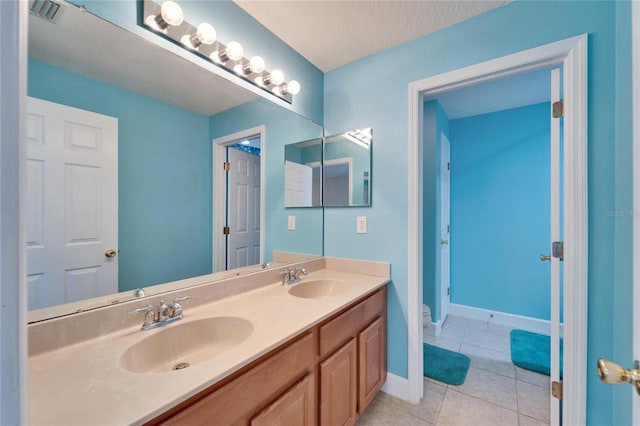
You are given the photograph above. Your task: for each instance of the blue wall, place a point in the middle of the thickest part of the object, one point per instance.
(500, 191)
(231, 23)
(283, 127)
(164, 185)
(373, 92)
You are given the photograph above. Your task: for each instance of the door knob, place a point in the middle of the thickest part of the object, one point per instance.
(444, 242)
(612, 373)
(544, 258)
(110, 253)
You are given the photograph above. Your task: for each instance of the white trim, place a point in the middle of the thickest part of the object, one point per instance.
(503, 318)
(635, 84)
(13, 294)
(219, 187)
(572, 55)
(396, 386)
(438, 325)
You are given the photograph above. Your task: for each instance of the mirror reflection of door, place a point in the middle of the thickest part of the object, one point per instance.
(72, 204)
(243, 204)
(338, 188)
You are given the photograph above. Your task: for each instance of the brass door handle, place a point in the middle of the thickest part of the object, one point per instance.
(544, 258)
(444, 242)
(110, 253)
(612, 373)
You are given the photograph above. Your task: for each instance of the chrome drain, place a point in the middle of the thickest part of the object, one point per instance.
(181, 365)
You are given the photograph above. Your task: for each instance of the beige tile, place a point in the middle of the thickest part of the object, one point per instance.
(487, 359)
(491, 387)
(384, 411)
(490, 327)
(530, 421)
(533, 401)
(443, 342)
(495, 342)
(460, 410)
(429, 407)
(453, 332)
(532, 377)
(456, 321)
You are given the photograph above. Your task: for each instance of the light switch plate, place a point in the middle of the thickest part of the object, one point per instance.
(361, 224)
(292, 223)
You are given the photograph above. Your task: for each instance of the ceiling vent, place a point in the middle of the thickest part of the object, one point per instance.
(48, 10)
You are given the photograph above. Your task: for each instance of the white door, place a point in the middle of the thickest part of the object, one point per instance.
(72, 204)
(243, 209)
(556, 236)
(298, 185)
(445, 227)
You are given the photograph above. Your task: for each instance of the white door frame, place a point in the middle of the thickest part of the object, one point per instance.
(219, 190)
(572, 55)
(13, 294)
(635, 55)
(444, 307)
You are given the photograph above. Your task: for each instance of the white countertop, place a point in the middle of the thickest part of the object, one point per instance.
(84, 384)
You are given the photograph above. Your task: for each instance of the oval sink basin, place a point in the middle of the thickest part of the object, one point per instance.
(317, 289)
(180, 345)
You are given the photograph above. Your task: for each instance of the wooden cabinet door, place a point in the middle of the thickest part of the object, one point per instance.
(372, 354)
(295, 408)
(339, 387)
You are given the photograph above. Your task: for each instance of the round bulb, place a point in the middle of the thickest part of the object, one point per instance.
(186, 40)
(277, 77)
(171, 13)
(256, 64)
(206, 33)
(153, 23)
(293, 87)
(234, 51)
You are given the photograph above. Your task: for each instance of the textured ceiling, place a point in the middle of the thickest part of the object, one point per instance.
(331, 34)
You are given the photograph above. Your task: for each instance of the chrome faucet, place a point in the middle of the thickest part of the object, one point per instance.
(292, 276)
(163, 315)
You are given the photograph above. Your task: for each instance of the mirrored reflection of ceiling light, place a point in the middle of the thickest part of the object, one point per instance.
(276, 77)
(245, 143)
(292, 87)
(170, 14)
(255, 66)
(205, 34)
(361, 137)
(233, 52)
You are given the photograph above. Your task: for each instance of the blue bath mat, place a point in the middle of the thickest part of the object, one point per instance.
(532, 351)
(444, 365)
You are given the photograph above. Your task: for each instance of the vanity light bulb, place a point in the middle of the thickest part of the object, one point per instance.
(152, 22)
(171, 14)
(277, 77)
(206, 33)
(256, 65)
(234, 51)
(293, 87)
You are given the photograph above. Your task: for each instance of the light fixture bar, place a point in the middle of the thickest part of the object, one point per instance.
(229, 57)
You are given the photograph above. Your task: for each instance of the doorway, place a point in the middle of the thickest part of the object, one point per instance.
(571, 54)
(232, 249)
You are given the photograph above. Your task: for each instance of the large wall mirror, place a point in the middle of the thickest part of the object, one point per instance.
(96, 88)
(334, 171)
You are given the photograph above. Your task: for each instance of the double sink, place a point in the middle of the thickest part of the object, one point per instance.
(181, 345)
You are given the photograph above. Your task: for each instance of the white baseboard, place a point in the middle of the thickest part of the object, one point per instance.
(516, 321)
(396, 386)
(438, 327)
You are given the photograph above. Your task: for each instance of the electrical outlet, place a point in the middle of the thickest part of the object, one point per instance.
(361, 224)
(292, 223)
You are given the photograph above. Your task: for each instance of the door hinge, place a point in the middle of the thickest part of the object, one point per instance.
(557, 249)
(448, 228)
(226, 230)
(556, 390)
(558, 109)
(448, 165)
(226, 166)
(448, 291)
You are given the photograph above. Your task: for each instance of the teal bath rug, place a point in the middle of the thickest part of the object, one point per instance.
(532, 351)
(444, 365)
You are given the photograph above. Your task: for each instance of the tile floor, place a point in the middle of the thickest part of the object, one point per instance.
(494, 393)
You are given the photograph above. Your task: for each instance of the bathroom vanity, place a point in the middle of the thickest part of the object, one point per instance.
(256, 352)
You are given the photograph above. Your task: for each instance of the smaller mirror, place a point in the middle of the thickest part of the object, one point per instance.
(347, 169)
(303, 174)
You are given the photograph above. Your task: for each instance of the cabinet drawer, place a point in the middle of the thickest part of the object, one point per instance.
(296, 407)
(348, 324)
(239, 400)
